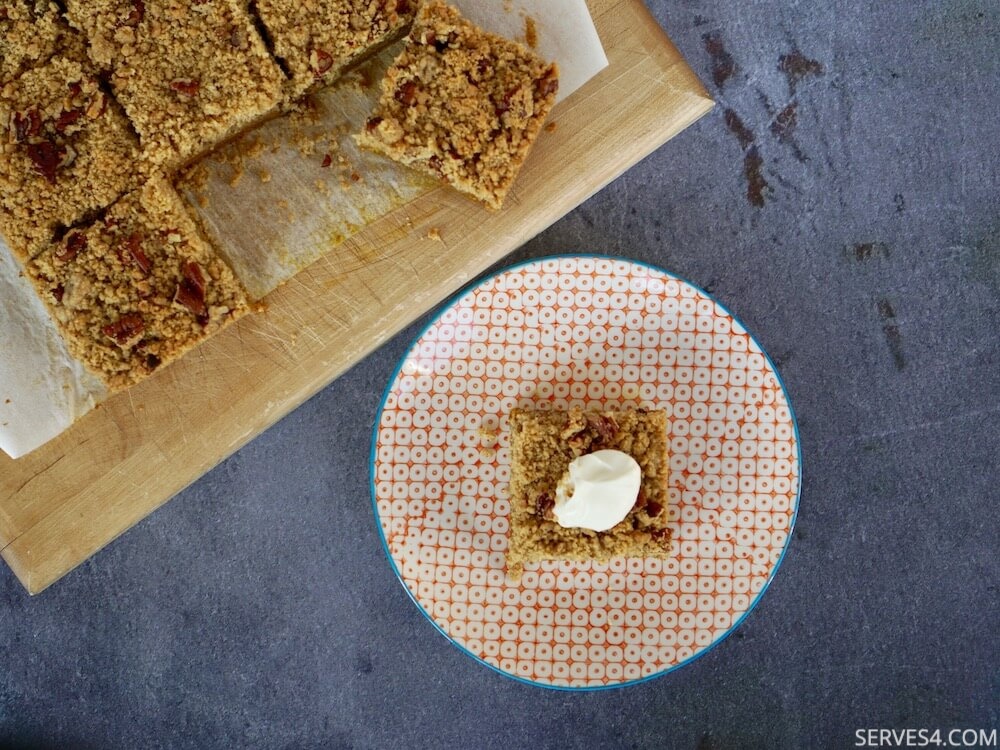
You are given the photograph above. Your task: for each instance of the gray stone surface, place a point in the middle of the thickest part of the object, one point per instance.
(862, 246)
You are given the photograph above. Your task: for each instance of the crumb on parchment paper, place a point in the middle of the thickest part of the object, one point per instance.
(530, 32)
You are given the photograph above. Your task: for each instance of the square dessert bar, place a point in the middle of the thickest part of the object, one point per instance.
(138, 288)
(66, 151)
(543, 444)
(461, 104)
(317, 40)
(189, 74)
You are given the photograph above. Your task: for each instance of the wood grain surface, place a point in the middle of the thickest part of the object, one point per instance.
(68, 499)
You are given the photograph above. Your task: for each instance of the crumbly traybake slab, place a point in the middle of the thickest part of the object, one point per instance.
(66, 152)
(317, 40)
(543, 444)
(138, 288)
(461, 104)
(189, 74)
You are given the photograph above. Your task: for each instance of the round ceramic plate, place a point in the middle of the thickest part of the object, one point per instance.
(598, 333)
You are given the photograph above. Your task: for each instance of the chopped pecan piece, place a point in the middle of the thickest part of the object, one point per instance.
(191, 292)
(654, 509)
(136, 14)
(544, 505)
(25, 125)
(407, 93)
(320, 61)
(58, 293)
(152, 362)
(327, 161)
(661, 536)
(640, 500)
(67, 118)
(503, 106)
(73, 245)
(186, 86)
(126, 331)
(97, 106)
(131, 251)
(605, 427)
(548, 86)
(47, 157)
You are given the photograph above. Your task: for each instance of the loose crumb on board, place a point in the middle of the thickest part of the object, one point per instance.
(435, 234)
(551, 127)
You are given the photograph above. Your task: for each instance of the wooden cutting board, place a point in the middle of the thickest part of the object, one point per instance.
(69, 498)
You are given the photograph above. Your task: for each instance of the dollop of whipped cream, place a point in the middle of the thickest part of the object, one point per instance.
(598, 491)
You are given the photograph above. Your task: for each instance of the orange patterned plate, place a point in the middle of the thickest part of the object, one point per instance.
(594, 332)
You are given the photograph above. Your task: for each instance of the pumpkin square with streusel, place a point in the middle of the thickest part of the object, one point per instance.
(66, 153)
(189, 74)
(136, 289)
(461, 104)
(543, 445)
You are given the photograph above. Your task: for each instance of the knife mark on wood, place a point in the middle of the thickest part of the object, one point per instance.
(37, 474)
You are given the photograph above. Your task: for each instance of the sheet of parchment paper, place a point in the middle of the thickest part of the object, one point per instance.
(272, 207)
(284, 195)
(43, 390)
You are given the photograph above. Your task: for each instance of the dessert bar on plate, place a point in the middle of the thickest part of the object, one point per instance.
(189, 74)
(461, 104)
(544, 444)
(317, 40)
(66, 152)
(137, 288)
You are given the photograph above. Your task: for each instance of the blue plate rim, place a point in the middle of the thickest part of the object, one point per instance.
(447, 305)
